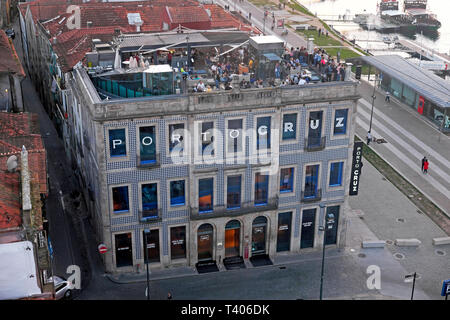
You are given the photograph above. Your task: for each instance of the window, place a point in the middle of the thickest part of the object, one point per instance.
(263, 133)
(177, 193)
(261, 189)
(150, 200)
(147, 144)
(117, 143)
(207, 138)
(289, 126)
(311, 179)
(287, 180)
(336, 174)
(234, 136)
(315, 128)
(152, 240)
(205, 195)
(340, 121)
(120, 199)
(178, 242)
(234, 192)
(176, 137)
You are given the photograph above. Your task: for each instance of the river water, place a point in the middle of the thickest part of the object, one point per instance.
(325, 9)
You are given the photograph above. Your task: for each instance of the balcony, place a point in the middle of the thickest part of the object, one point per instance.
(150, 216)
(315, 147)
(311, 198)
(147, 163)
(245, 208)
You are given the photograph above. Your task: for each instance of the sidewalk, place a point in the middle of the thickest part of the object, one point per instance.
(186, 271)
(409, 138)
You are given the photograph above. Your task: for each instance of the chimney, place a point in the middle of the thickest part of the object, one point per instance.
(89, 24)
(54, 40)
(25, 177)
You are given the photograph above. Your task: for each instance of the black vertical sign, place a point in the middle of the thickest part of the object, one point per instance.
(356, 168)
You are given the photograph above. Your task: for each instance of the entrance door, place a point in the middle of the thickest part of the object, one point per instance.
(259, 236)
(232, 239)
(204, 242)
(124, 250)
(308, 221)
(421, 105)
(284, 231)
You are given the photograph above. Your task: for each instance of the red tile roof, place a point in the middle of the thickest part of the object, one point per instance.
(9, 61)
(22, 129)
(72, 45)
(9, 200)
(188, 14)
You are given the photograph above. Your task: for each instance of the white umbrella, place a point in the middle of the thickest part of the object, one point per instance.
(117, 60)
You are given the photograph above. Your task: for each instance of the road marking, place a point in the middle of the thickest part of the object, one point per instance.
(439, 187)
(408, 134)
(403, 143)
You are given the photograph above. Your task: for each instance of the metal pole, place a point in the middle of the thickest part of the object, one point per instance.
(421, 40)
(146, 263)
(264, 23)
(373, 103)
(323, 263)
(414, 282)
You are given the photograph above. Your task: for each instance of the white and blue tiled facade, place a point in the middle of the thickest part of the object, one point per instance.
(126, 171)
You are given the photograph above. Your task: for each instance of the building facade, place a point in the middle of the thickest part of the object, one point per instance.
(219, 176)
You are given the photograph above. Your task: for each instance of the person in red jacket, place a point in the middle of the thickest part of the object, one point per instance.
(425, 166)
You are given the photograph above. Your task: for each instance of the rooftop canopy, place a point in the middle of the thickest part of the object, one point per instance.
(421, 80)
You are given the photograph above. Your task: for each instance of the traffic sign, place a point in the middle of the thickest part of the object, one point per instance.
(102, 248)
(445, 287)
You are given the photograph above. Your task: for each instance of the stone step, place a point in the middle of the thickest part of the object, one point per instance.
(373, 244)
(441, 241)
(407, 242)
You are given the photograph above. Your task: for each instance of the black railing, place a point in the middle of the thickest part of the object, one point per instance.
(150, 164)
(315, 147)
(317, 196)
(245, 208)
(150, 216)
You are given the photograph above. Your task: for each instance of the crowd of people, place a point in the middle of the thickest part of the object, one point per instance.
(295, 68)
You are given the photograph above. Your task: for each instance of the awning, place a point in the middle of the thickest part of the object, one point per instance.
(272, 56)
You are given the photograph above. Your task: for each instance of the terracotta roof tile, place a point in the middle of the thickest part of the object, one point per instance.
(9, 61)
(72, 45)
(9, 200)
(12, 139)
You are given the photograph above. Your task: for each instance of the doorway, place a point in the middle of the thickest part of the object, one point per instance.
(124, 251)
(232, 239)
(205, 242)
(259, 228)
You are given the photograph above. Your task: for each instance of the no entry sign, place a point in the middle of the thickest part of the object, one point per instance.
(102, 248)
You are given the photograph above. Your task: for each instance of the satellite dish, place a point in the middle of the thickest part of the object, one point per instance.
(11, 163)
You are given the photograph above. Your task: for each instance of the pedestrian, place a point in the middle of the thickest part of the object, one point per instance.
(169, 296)
(320, 30)
(388, 97)
(249, 16)
(369, 137)
(425, 166)
(423, 162)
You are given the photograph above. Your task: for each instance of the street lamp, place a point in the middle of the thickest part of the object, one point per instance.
(146, 233)
(373, 101)
(328, 224)
(409, 276)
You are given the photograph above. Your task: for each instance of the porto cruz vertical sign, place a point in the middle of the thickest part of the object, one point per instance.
(356, 168)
